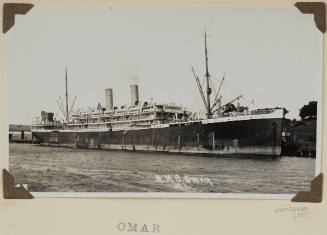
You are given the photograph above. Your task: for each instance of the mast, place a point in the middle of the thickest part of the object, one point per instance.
(207, 76)
(67, 115)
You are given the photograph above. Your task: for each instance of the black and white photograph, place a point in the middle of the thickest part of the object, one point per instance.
(144, 101)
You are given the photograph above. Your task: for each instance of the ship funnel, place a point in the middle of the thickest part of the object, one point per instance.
(109, 99)
(134, 95)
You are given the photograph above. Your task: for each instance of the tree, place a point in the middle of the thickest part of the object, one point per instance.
(309, 111)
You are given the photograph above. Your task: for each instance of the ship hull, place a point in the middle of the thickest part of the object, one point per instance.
(255, 137)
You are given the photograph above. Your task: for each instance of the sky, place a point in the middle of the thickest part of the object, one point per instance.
(272, 56)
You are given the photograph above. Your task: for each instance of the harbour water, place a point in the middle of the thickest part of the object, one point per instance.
(57, 169)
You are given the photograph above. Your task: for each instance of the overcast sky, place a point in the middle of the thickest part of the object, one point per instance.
(270, 55)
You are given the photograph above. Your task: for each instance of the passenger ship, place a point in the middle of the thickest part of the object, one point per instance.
(226, 130)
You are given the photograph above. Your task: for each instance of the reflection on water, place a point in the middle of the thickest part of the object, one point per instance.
(56, 169)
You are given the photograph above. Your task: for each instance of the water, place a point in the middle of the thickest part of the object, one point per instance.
(56, 169)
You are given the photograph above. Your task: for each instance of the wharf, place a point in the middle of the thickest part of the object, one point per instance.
(21, 134)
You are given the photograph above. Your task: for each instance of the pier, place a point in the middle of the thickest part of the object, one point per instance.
(21, 134)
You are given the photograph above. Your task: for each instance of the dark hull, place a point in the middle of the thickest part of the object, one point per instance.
(259, 137)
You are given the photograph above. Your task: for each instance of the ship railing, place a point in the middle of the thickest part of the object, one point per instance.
(97, 125)
(124, 112)
(48, 124)
(254, 112)
(96, 122)
(108, 116)
(122, 127)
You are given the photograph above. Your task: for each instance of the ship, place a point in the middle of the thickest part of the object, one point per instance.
(224, 130)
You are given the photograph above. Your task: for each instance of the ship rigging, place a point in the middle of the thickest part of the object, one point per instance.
(216, 107)
(66, 112)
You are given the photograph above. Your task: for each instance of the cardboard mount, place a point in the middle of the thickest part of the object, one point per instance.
(9, 189)
(318, 9)
(9, 11)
